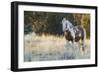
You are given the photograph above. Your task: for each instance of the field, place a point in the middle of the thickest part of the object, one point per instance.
(47, 48)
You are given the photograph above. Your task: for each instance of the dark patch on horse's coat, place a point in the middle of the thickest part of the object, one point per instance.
(77, 37)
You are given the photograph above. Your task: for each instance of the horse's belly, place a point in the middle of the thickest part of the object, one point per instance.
(77, 39)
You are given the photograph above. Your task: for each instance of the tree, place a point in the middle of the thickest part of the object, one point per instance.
(50, 22)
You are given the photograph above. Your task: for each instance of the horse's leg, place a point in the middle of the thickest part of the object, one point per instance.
(65, 34)
(73, 36)
(83, 45)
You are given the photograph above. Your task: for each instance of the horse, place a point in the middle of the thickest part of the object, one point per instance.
(74, 33)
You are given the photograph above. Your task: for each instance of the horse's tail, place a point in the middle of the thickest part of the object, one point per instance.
(84, 32)
(84, 38)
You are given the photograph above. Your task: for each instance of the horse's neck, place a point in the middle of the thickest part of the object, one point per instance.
(69, 23)
(64, 25)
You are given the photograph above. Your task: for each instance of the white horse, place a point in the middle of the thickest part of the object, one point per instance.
(73, 33)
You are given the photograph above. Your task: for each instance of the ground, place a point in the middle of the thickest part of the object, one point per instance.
(47, 48)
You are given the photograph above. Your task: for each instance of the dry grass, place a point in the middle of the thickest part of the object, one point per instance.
(48, 47)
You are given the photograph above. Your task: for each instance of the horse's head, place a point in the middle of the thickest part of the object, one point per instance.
(66, 24)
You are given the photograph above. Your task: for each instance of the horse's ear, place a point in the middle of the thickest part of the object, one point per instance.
(62, 18)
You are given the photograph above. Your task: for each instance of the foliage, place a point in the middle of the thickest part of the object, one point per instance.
(50, 22)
